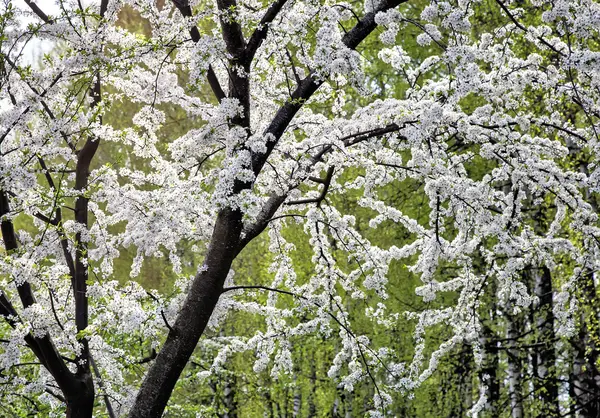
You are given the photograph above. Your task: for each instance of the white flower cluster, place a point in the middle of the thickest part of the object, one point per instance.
(477, 161)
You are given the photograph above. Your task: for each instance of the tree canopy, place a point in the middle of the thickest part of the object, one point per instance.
(378, 194)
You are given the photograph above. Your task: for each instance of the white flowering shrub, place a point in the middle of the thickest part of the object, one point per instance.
(484, 114)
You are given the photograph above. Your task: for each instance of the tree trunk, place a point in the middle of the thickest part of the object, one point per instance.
(546, 384)
(225, 243)
(348, 405)
(312, 409)
(466, 384)
(489, 373)
(297, 404)
(81, 404)
(585, 377)
(514, 368)
(229, 400)
(181, 341)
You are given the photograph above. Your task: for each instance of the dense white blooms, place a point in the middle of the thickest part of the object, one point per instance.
(483, 131)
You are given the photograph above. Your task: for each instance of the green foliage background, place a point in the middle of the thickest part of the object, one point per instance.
(308, 391)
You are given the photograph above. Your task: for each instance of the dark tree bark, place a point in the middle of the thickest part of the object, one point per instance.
(465, 387)
(489, 371)
(546, 382)
(584, 381)
(584, 378)
(515, 365)
(297, 401)
(226, 240)
(77, 388)
(312, 408)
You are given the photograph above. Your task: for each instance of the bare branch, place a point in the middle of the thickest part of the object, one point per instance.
(184, 8)
(36, 9)
(103, 7)
(162, 312)
(326, 183)
(109, 408)
(259, 35)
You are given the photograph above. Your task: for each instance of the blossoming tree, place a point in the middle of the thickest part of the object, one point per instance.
(492, 116)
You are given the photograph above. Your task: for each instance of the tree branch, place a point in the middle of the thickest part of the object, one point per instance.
(57, 221)
(362, 136)
(28, 108)
(309, 85)
(275, 201)
(266, 213)
(109, 408)
(329, 313)
(226, 239)
(232, 31)
(103, 7)
(162, 312)
(42, 102)
(147, 359)
(326, 183)
(82, 172)
(259, 287)
(184, 8)
(43, 347)
(239, 82)
(524, 29)
(260, 33)
(35, 9)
